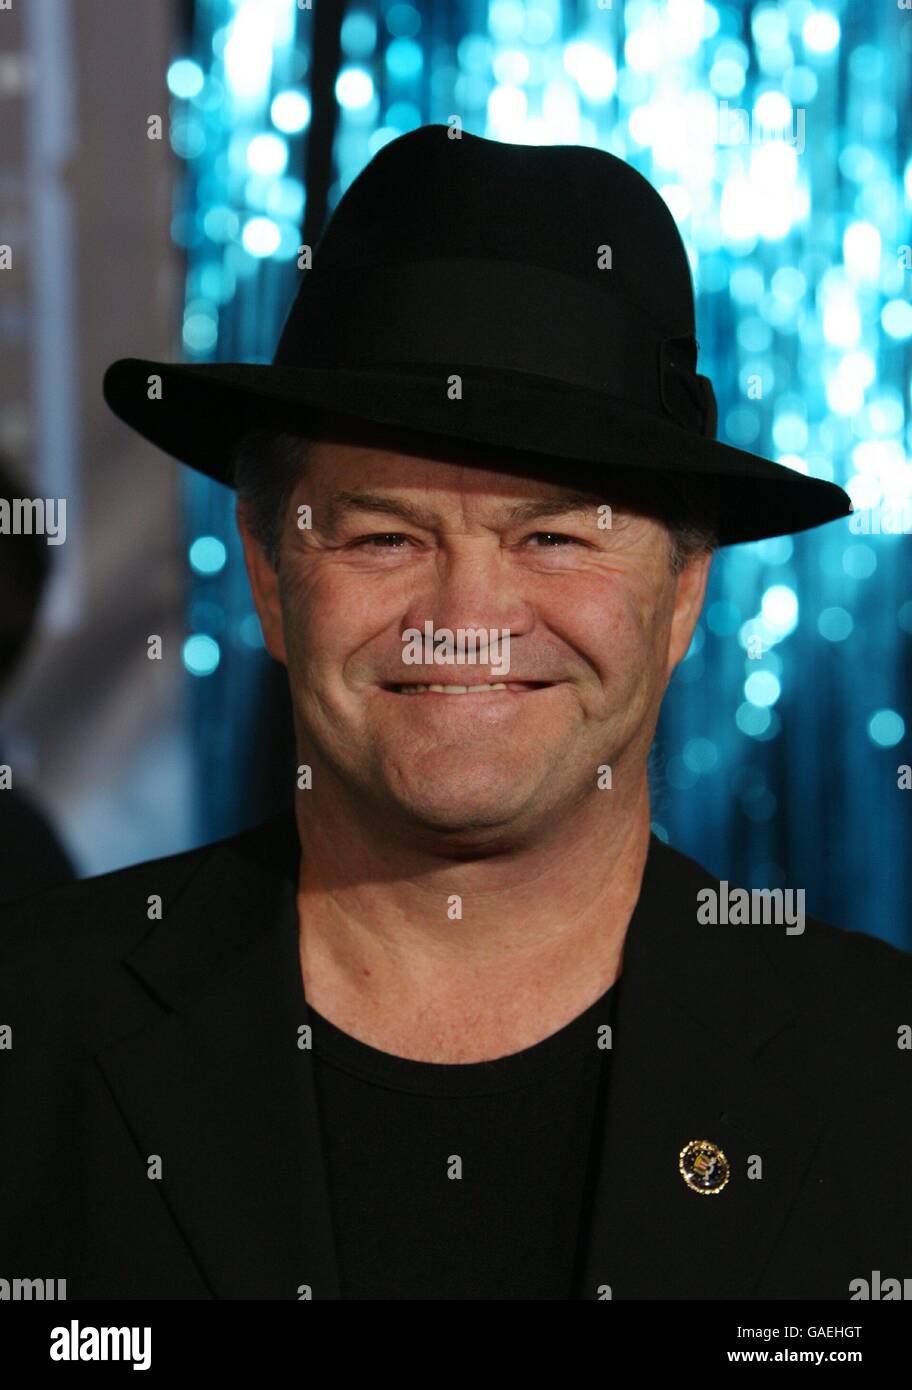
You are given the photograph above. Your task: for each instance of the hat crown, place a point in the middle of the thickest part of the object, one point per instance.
(426, 195)
(462, 289)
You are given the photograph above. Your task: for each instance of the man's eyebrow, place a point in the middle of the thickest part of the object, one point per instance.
(342, 501)
(567, 504)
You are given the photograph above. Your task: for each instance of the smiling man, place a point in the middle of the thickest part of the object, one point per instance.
(491, 796)
(458, 1025)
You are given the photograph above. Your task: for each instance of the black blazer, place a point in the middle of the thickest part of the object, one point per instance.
(179, 1039)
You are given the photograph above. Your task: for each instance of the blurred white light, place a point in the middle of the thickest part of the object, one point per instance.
(592, 69)
(788, 284)
(745, 284)
(821, 31)
(290, 111)
(511, 65)
(762, 688)
(260, 237)
(641, 123)
(887, 414)
(779, 607)
(896, 318)
(801, 202)
(354, 89)
(507, 107)
(683, 27)
(858, 367)
(285, 199)
(865, 492)
(790, 431)
(560, 109)
(885, 459)
(777, 216)
(682, 127)
(506, 19)
(773, 167)
(643, 49)
(267, 154)
(739, 210)
(539, 25)
(773, 111)
(770, 26)
(844, 396)
(726, 76)
(861, 250)
(678, 199)
(248, 51)
(185, 78)
(841, 319)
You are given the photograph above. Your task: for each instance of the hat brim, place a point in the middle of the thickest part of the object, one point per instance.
(205, 408)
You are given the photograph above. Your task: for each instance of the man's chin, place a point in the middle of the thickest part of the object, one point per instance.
(469, 823)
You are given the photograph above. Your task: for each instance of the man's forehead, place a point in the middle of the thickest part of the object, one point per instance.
(424, 509)
(349, 475)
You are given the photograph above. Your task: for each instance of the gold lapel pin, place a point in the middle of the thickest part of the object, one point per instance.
(704, 1167)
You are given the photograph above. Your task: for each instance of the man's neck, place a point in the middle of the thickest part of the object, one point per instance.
(460, 960)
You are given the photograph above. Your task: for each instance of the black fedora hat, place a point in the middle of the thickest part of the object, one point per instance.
(530, 298)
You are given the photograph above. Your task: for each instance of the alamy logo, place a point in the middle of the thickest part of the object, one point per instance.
(470, 645)
(883, 519)
(885, 1289)
(34, 516)
(75, 1343)
(736, 127)
(26, 1290)
(741, 907)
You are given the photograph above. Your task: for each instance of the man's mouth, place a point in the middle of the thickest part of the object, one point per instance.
(452, 688)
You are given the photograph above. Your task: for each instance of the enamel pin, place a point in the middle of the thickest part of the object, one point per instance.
(704, 1167)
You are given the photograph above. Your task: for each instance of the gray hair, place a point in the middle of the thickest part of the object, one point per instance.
(268, 462)
(271, 459)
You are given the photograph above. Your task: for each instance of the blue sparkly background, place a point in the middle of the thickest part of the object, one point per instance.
(779, 136)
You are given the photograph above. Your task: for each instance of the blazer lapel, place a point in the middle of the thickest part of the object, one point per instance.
(695, 1005)
(219, 1087)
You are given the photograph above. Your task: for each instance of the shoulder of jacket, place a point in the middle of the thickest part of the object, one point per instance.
(90, 912)
(830, 962)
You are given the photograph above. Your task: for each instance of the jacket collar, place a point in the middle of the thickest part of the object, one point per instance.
(219, 1087)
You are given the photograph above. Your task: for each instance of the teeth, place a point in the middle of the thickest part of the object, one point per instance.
(451, 689)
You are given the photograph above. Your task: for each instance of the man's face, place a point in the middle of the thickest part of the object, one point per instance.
(596, 623)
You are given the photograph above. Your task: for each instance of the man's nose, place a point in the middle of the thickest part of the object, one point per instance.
(472, 585)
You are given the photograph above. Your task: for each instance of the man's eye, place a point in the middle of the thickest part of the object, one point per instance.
(555, 536)
(385, 539)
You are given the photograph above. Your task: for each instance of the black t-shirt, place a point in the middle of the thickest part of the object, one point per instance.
(518, 1130)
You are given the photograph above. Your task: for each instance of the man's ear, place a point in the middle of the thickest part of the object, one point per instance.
(690, 591)
(264, 585)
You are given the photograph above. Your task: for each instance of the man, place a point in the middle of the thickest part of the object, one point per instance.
(459, 1025)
